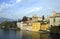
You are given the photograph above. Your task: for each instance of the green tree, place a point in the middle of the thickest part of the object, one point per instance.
(55, 29)
(30, 18)
(25, 18)
(4, 24)
(43, 17)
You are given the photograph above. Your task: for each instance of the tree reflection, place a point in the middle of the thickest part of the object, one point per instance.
(54, 36)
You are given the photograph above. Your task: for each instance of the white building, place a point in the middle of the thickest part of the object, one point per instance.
(55, 19)
(19, 25)
(22, 26)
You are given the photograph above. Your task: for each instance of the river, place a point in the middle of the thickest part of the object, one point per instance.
(12, 34)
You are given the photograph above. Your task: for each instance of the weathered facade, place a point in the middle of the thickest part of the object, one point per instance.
(33, 25)
(55, 19)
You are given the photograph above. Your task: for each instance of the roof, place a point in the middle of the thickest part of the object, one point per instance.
(55, 15)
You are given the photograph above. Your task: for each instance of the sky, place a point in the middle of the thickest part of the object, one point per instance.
(16, 9)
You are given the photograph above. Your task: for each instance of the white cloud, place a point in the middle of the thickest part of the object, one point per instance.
(5, 6)
(17, 1)
(35, 9)
(10, 5)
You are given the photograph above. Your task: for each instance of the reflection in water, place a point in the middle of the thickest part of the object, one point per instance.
(26, 35)
(37, 35)
(11, 34)
(54, 36)
(44, 36)
(34, 35)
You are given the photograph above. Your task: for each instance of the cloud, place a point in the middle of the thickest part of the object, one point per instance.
(17, 1)
(5, 5)
(35, 9)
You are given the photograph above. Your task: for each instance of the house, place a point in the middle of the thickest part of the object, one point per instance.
(44, 26)
(33, 24)
(22, 26)
(55, 19)
(38, 24)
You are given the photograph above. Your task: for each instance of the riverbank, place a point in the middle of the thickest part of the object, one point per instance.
(18, 29)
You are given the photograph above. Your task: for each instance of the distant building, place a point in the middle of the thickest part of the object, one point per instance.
(22, 26)
(34, 23)
(55, 19)
(35, 26)
(36, 18)
(44, 26)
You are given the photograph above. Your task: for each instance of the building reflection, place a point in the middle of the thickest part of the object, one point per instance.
(26, 35)
(39, 35)
(44, 36)
(36, 35)
(33, 35)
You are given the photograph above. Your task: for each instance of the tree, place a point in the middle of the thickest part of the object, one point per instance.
(43, 17)
(4, 24)
(30, 18)
(25, 18)
(55, 29)
(8, 24)
(19, 20)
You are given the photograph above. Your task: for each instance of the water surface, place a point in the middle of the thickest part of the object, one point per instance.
(12, 34)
